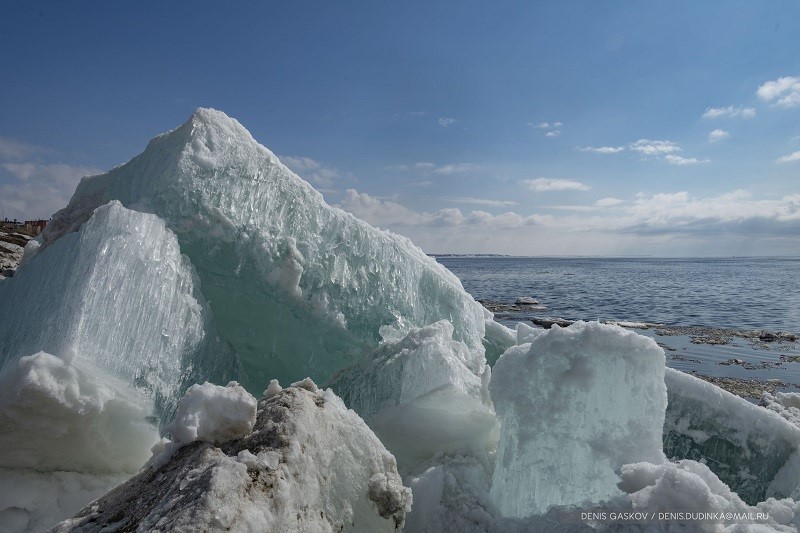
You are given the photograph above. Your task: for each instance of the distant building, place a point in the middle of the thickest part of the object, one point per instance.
(35, 226)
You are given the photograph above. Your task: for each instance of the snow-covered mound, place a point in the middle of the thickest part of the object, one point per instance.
(297, 287)
(309, 464)
(68, 433)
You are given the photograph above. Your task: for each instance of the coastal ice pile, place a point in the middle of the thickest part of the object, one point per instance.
(205, 260)
(309, 464)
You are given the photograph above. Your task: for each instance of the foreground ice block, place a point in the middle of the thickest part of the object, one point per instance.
(297, 286)
(68, 433)
(120, 295)
(309, 464)
(752, 449)
(574, 406)
(422, 394)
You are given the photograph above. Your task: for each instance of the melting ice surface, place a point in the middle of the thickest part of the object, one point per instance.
(206, 259)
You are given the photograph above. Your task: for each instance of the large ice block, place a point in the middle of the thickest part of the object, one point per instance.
(574, 406)
(120, 295)
(420, 394)
(753, 450)
(297, 286)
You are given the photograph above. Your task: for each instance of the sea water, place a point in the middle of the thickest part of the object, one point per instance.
(717, 293)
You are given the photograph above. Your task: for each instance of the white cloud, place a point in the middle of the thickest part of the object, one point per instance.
(557, 124)
(13, 150)
(479, 201)
(376, 211)
(311, 170)
(784, 92)
(717, 135)
(730, 111)
(39, 190)
(446, 170)
(554, 184)
(648, 147)
(602, 149)
(608, 202)
(658, 223)
(444, 121)
(552, 133)
(678, 160)
(385, 213)
(542, 125)
(794, 156)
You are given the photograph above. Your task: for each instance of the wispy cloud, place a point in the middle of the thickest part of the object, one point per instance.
(717, 135)
(479, 201)
(648, 147)
(311, 169)
(730, 111)
(445, 170)
(601, 149)
(37, 190)
(794, 156)
(13, 150)
(551, 129)
(783, 92)
(445, 122)
(555, 184)
(678, 160)
(608, 202)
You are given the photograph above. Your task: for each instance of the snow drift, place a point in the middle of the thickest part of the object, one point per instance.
(309, 464)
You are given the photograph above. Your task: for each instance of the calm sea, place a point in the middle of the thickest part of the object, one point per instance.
(740, 293)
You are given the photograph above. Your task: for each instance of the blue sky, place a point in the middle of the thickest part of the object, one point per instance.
(531, 128)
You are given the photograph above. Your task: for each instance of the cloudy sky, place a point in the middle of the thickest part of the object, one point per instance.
(529, 128)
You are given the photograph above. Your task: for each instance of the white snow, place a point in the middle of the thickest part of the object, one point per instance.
(214, 414)
(309, 465)
(690, 486)
(574, 406)
(786, 404)
(68, 433)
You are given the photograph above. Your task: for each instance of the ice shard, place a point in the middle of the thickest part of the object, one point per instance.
(753, 450)
(297, 286)
(574, 406)
(423, 393)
